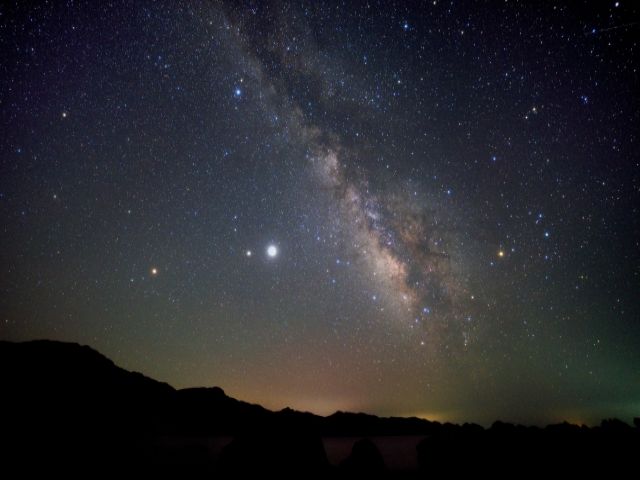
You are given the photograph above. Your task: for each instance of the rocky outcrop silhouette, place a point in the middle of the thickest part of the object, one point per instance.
(68, 410)
(365, 461)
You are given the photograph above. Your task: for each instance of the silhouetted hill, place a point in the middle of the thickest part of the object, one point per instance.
(67, 409)
(362, 424)
(64, 384)
(68, 367)
(207, 411)
(74, 377)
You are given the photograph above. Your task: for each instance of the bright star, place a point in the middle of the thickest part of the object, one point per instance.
(154, 271)
(272, 251)
(248, 253)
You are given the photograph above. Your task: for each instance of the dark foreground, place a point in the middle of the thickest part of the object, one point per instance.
(67, 410)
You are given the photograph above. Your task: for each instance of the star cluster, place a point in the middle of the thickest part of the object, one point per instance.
(408, 209)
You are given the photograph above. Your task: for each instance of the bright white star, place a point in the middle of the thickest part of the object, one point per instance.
(272, 251)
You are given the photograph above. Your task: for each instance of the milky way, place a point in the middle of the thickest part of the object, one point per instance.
(403, 247)
(406, 209)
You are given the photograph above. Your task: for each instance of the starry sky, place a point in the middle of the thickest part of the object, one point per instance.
(404, 208)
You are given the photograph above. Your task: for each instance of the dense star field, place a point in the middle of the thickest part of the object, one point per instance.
(403, 208)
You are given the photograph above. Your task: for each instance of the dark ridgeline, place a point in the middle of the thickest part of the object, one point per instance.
(68, 410)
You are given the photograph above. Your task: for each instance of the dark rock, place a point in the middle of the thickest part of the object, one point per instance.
(365, 460)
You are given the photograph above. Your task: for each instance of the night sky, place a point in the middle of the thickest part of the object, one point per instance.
(404, 208)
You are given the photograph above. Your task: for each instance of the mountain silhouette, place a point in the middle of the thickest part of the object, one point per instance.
(67, 409)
